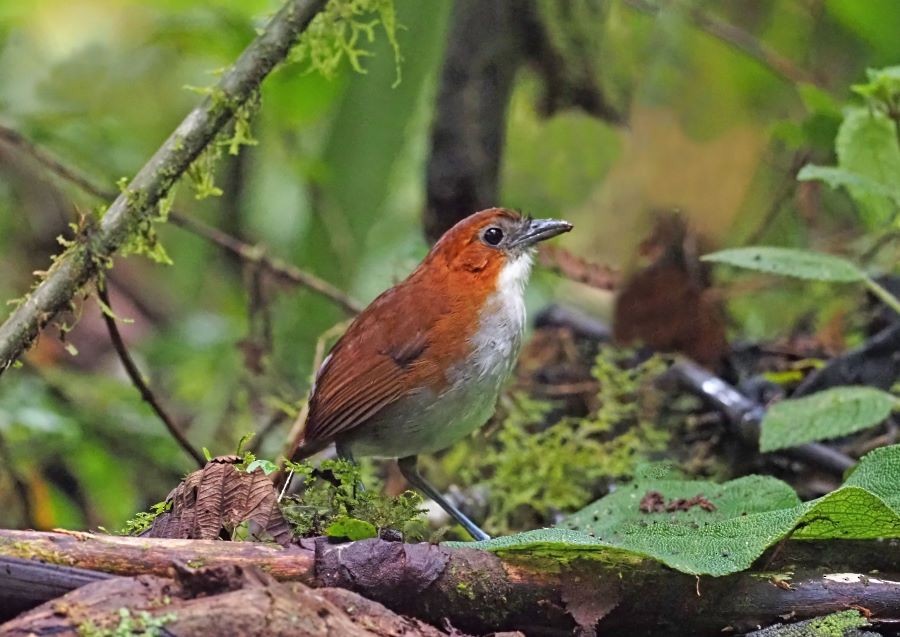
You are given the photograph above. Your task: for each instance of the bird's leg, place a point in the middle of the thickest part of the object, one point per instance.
(343, 452)
(411, 473)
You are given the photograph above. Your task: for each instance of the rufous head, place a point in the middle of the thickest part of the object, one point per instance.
(492, 239)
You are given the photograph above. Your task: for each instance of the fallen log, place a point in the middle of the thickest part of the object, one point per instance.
(213, 601)
(481, 592)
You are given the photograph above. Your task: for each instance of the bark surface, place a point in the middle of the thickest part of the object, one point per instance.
(479, 592)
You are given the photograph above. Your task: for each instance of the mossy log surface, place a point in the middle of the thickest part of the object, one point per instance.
(480, 592)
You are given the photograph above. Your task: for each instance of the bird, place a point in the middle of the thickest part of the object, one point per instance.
(423, 365)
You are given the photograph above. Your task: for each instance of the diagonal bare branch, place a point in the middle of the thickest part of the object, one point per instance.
(56, 166)
(274, 266)
(137, 379)
(247, 252)
(741, 40)
(153, 182)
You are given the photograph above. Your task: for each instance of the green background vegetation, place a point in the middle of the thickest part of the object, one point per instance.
(335, 185)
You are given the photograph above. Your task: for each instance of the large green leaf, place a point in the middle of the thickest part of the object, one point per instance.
(744, 496)
(803, 264)
(877, 473)
(867, 145)
(750, 515)
(826, 414)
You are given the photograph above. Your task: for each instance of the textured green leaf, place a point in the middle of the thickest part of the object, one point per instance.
(878, 473)
(826, 414)
(867, 145)
(751, 514)
(790, 262)
(850, 513)
(752, 494)
(351, 528)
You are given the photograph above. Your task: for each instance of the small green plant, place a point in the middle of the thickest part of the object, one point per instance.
(839, 411)
(535, 469)
(828, 414)
(333, 503)
(249, 462)
(130, 625)
(142, 521)
(868, 151)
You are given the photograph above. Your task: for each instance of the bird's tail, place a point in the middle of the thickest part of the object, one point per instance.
(305, 449)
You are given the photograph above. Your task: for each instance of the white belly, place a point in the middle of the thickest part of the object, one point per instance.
(425, 422)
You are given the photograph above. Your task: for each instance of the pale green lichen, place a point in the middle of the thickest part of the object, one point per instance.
(335, 34)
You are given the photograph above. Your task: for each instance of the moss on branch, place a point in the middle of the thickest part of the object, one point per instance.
(139, 202)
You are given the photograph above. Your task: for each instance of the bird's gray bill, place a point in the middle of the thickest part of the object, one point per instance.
(540, 230)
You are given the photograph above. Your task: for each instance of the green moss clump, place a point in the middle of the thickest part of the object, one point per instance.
(533, 471)
(331, 496)
(841, 624)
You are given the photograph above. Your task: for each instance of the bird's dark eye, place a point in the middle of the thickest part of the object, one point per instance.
(493, 236)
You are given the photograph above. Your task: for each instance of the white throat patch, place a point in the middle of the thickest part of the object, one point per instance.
(501, 324)
(515, 273)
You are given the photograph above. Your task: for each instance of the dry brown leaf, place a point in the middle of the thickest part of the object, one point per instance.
(213, 501)
(669, 305)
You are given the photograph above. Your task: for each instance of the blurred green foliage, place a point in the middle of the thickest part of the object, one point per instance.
(335, 185)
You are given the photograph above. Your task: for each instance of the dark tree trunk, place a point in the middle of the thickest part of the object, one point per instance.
(483, 54)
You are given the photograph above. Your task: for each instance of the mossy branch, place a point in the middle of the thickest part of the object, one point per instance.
(481, 592)
(139, 200)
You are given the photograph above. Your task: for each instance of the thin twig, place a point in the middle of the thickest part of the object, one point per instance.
(883, 294)
(744, 415)
(138, 380)
(52, 163)
(139, 200)
(887, 238)
(784, 194)
(253, 254)
(740, 40)
(256, 254)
